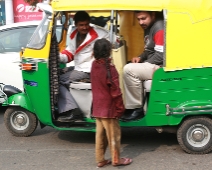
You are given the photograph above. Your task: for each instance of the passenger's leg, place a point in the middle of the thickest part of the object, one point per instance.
(134, 74)
(78, 75)
(66, 102)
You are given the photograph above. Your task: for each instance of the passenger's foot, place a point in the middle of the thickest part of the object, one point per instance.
(71, 116)
(103, 163)
(123, 162)
(136, 114)
(126, 114)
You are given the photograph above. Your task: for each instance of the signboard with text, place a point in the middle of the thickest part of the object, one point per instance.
(2, 13)
(24, 12)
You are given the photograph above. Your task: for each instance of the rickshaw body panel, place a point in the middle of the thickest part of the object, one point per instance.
(177, 94)
(20, 99)
(36, 83)
(187, 41)
(188, 92)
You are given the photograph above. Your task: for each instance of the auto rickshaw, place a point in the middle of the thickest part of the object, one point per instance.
(178, 98)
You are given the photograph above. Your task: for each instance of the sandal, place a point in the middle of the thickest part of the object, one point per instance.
(103, 163)
(123, 162)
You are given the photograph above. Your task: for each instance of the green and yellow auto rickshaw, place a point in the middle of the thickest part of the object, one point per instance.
(178, 98)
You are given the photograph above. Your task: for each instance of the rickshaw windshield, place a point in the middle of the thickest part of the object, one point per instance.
(38, 39)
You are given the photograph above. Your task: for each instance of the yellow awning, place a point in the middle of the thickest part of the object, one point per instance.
(199, 9)
(188, 27)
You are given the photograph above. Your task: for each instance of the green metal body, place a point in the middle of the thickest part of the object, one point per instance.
(36, 84)
(174, 95)
(20, 99)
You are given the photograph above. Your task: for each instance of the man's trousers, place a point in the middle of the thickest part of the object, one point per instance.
(133, 76)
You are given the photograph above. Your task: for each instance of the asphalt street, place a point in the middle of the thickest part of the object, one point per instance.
(49, 149)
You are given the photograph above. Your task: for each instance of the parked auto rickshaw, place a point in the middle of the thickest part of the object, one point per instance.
(178, 98)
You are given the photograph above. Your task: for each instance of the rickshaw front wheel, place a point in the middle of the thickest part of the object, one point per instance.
(195, 135)
(20, 122)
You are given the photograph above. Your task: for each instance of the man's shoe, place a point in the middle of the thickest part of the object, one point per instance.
(136, 114)
(71, 116)
(126, 114)
(68, 118)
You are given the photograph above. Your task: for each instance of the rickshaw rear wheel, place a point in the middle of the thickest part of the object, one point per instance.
(20, 122)
(195, 135)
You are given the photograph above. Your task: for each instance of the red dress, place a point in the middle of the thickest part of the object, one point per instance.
(107, 98)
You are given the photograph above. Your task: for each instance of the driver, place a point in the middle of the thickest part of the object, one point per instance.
(143, 66)
(80, 51)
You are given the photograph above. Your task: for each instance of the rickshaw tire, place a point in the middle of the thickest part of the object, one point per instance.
(192, 125)
(9, 121)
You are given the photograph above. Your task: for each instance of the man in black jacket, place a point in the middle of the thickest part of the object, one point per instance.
(143, 66)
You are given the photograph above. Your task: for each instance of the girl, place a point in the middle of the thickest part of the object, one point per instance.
(108, 105)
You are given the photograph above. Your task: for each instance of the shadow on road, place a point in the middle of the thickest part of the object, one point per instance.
(135, 141)
(2, 109)
(143, 139)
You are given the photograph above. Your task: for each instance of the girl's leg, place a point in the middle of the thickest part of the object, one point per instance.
(101, 141)
(113, 133)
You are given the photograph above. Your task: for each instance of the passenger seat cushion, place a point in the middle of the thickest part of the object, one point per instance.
(147, 85)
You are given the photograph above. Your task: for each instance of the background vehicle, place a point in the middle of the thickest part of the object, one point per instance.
(13, 38)
(2, 95)
(180, 93)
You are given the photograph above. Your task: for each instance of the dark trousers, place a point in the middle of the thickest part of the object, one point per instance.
(66, 101)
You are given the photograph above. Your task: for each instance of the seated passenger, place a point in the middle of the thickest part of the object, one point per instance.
(80, 50)
(143, 66)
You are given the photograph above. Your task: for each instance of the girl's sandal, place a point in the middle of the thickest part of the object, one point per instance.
(103, 163)
(123, 162)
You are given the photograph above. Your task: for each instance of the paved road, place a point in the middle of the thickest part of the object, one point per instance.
(49, 149)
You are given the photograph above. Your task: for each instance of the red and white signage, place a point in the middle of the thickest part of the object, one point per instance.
(24, 12)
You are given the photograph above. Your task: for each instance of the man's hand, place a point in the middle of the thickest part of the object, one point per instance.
(63, 58)
(136, 60)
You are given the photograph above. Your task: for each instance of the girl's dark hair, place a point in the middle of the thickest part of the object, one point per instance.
(81, 16)
(102, 48)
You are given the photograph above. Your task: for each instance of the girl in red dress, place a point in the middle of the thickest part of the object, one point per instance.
(108, 105)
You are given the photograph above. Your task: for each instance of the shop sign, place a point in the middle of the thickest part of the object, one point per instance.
(24, 12)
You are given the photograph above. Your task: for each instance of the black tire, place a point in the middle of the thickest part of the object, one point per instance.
(20, 122)
(195, 135)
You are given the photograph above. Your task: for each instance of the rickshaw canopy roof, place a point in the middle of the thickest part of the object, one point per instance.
(188, 26)
(199, 9)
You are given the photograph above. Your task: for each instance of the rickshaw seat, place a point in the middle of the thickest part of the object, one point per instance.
(83, 96)
(147, 85)
(80, 86)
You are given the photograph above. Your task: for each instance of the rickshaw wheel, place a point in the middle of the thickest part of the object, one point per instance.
(20, 122)
(195, 135)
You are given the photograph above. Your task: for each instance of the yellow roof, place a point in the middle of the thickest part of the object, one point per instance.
(106, 4)
(188, 26)
(199, 9)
